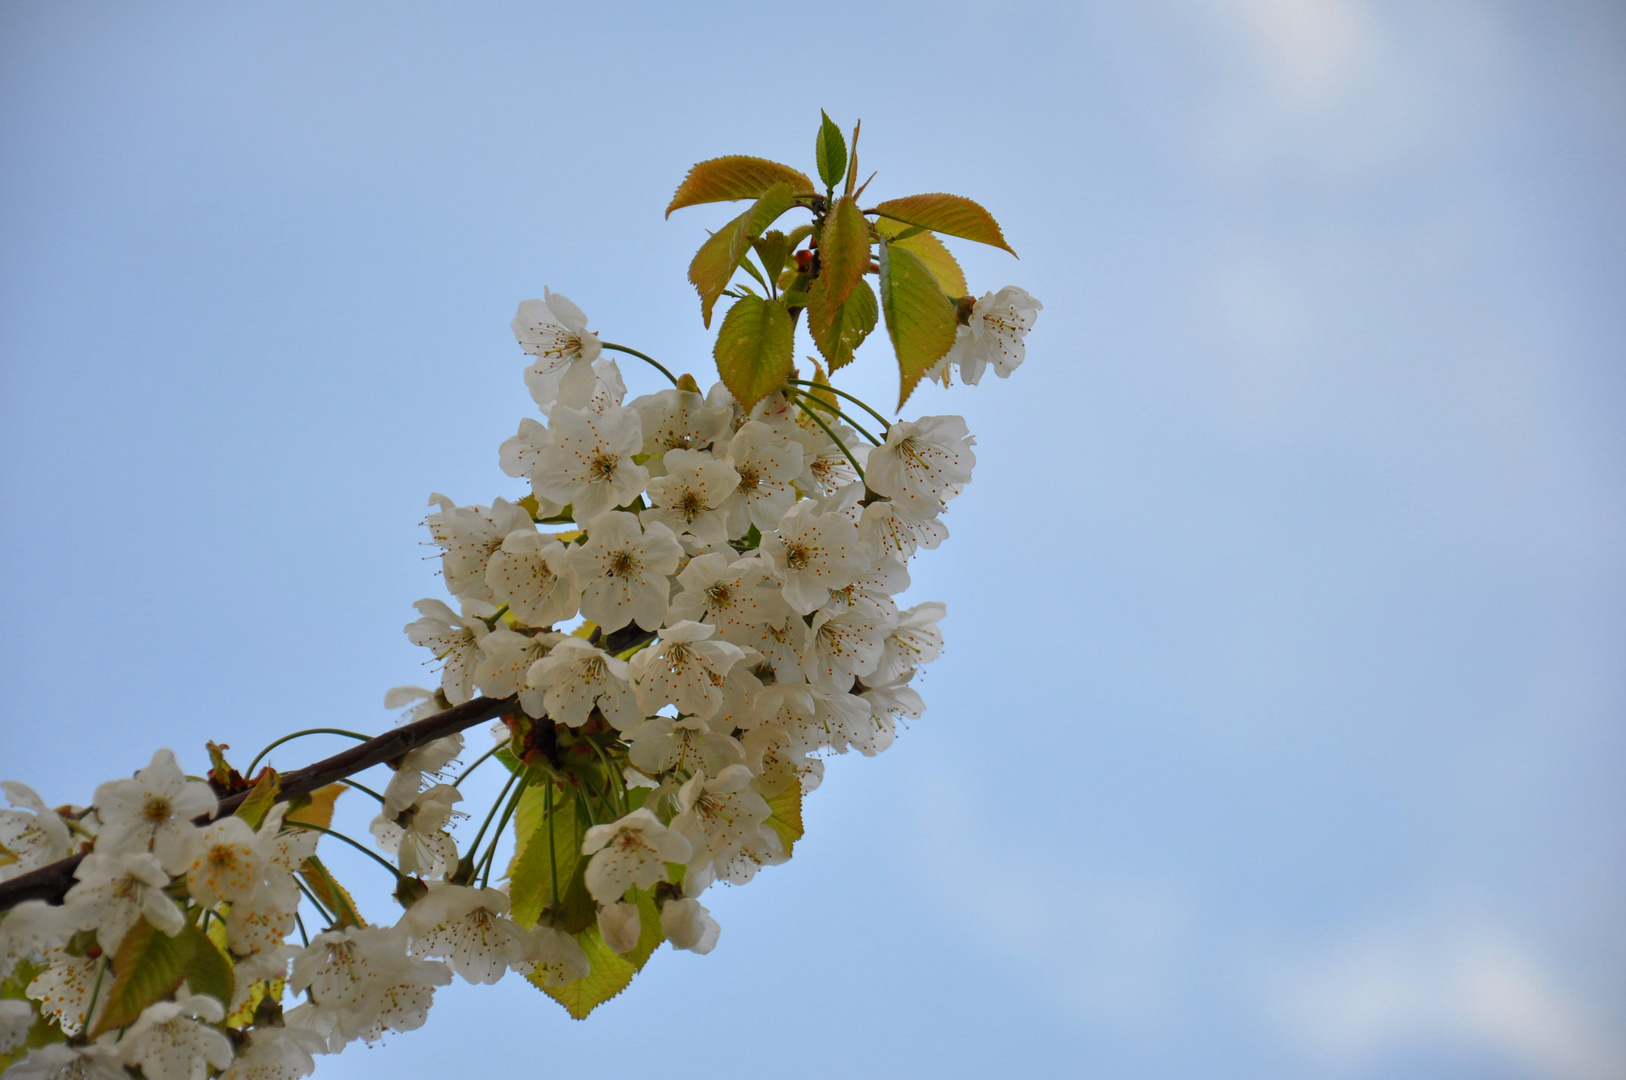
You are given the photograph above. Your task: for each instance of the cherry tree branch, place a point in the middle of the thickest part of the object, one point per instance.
(52, 882)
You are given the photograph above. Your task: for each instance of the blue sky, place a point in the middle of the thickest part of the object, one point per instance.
(1280, 729)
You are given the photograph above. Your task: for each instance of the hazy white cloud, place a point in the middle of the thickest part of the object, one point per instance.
(1421, 984)
(1105, 946)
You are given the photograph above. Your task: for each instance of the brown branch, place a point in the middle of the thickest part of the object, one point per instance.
(52, 882)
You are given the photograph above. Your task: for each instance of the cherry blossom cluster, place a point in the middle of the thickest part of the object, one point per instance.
(692, 607)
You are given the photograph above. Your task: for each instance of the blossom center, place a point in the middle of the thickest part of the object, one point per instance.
(157, 809)
(603, 467)
(623, 564)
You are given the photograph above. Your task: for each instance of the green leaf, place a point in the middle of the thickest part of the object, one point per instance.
(332, 895)
(210, 971)
(831, 150)
(797, 235)
(714, 264)
(785, 813)
(262, 989)
(920, 319)
(931, 251)
(949, 214)
(754, 350)
(773, 249)
(536, 878)
(260, 799)
(735, 177)
(838, 329)
(843, 250)
(610, 972)
(149, 967)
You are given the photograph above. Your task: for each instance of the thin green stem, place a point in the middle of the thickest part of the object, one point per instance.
(856, 426)
(553, 856)
(464, 775)
(315, 903)
(611, 775)
(496, 837)
(373, 855)
(347, 782)
(300, 734)
(656, 364)
(486, 824)
(859, 469)
(842, 393)
(306, 938)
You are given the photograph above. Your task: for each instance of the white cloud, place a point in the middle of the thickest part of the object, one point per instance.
(1418, 984)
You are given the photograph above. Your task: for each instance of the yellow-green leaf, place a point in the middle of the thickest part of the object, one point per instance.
(149, 967)
(951, 214)
(260, 798)
(773, 248)
(920, 319)
(843, 250)
(210, 971)
(831, 151)
(785, 814)
(838, 329)
(318, 810)
(937, 258)
(610, 972)
(735, 177)
(538, 877)
(333, 896)
(754, 350)
(714, 264)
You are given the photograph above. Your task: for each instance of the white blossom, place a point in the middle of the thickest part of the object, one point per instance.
(455, 641)
(624, 568)
(276, 1053)
(677, 419)
(689, 925)
(63, 989)
(556, 955)
(684, 668)
(718, 816)
(33, 835)
(768, 465)
(915, 640)
(469, 535)
(814, 553)
(891, 531)
(724, 589)
(577, 677)
(470, 929)
(362, 982)
(98, 1060)
(620, 925)
(167, 1043)
(690, 497)
(922, 464)
(418, 769)
(154, 811)
(117, 891)
(845, 645)
(588, 460)
(506, 656)
(662, 745)
(417, 835)
(16, 1017)
(554, 330)
(632, 851)
(993, 335)
(226, 865)
(532, 573)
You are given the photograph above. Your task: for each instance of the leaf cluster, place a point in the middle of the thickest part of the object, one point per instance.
(897, 240)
